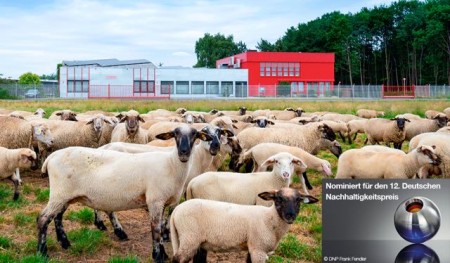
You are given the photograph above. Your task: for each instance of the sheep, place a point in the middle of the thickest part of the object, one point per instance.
(128, 129)
(369, 114)
(442, 143)
(80, 133)
(262, 121)
(339, 117)
(306, 137)
(241, 188)
(425, 125)
(241, 112)
(155, 181)
(12, 161)
(387, 131)
(287, 114)
(338, 127)
(447, 112)
(430, 114)
(354, 127)
(64, 115)
(445, 129)
(305, 120)
(261, 152)
(367, 164)
(411, 116)
(16, 133)
(381, 148)
(201, 225)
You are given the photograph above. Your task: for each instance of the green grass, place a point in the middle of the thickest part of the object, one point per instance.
(5, 193)
(42, 195)
(6, 257)
(84, 216)
(291, 248)
(85, 241)
(21, 219)
(31, 245)
(5, 242)
(127, 259)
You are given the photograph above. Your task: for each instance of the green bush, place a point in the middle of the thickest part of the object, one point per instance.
(4, 95)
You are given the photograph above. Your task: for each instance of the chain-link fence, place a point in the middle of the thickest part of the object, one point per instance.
(29, 91)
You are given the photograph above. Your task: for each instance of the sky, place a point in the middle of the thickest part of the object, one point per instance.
(37, 35)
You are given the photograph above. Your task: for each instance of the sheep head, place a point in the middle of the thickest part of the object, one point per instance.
(67, 115)
(28, 159)
(428, 155)
(42, 133)
(283, 164)
(327, 132)
(131, 119)
(262, 121)
(441, 119)
(185, 137)
(287, 202)
(401, 121)
(242, 110)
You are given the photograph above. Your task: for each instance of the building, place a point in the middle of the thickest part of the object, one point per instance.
(249, 74)
(284, 73)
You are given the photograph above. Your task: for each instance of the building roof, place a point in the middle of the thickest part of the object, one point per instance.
(105, 62)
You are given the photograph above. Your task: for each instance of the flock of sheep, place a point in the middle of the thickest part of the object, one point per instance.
(120, 161)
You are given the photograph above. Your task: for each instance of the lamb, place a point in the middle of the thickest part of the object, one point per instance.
(442, 143)
(12, 161)
(263, 151)
(425, 125)
(201, 225)
(365, 164)
(156, 180)
(128, 129)
(306, 137)
(430, 114)
(16, 133)
(387, 131)
(369, 114)
(354, 127)
(241, 188)
(64, 115)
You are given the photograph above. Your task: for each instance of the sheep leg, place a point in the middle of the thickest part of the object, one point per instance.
(165, 225)
(249, 258)
(60, 233)
(98, 221)
(249, 165)
(349, 138)
(354, 137)
(118, 230)
(45, 217)
(258, 256)
(15, 178)
(156, 212)
(200, 256)
(342, 136)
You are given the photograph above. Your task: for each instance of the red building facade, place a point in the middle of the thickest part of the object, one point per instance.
(294, 74)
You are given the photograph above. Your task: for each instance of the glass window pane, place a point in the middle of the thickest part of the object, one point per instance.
(85, 86)
(182, 87)
(70, 86)
(198, 87)
(212, 87)
(227, 88)
(167, 86)
(274, 69)
(136, 86)
(151, 86)
(78, 87)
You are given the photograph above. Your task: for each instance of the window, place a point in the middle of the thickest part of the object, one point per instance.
(227, 88)
(144, 86)
(261, 69)
(286, 67)
(297, 69)
(198, 87)
(212, 87)
(182, 87)
(280, 69)
(77, 86)
(167, 87)
(267, 69)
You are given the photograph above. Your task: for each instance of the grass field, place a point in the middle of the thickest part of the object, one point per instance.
(17, 219)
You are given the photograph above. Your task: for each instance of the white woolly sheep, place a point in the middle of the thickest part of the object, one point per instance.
(430, 114)
(155, 181)
(442, 142)
(339, 117)
(12, 161)
(411, 116)
(306, 137)
(425, 125)
(241, 188)
(369, 114)
(354, 127)
(17, 133)
(387, 131)
(128, 129)
(447, 112)
(369, 164)
(261, 152)
(64, 115)
(200, 225)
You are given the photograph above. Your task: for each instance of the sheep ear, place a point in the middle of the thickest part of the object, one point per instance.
(119, 116)
(227, 132)
(141, 119)
(124, 118)
(268, 162)
(203, 136)
(253, 121)
(299, 162)
(165, 136)
(267, 195)
(420, 149)
(58, 113)
(307, 199)
(35, 113)
(302, 121)
(37, 129)
(433, 146)
(270, 122)
(234, 126)
(90, 122)
(234, 121)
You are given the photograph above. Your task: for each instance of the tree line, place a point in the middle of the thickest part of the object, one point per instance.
(406, 42)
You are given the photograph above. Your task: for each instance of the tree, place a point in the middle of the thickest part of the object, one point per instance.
(265, 46)
(5, 80)
(29, 78)
(210, 48)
